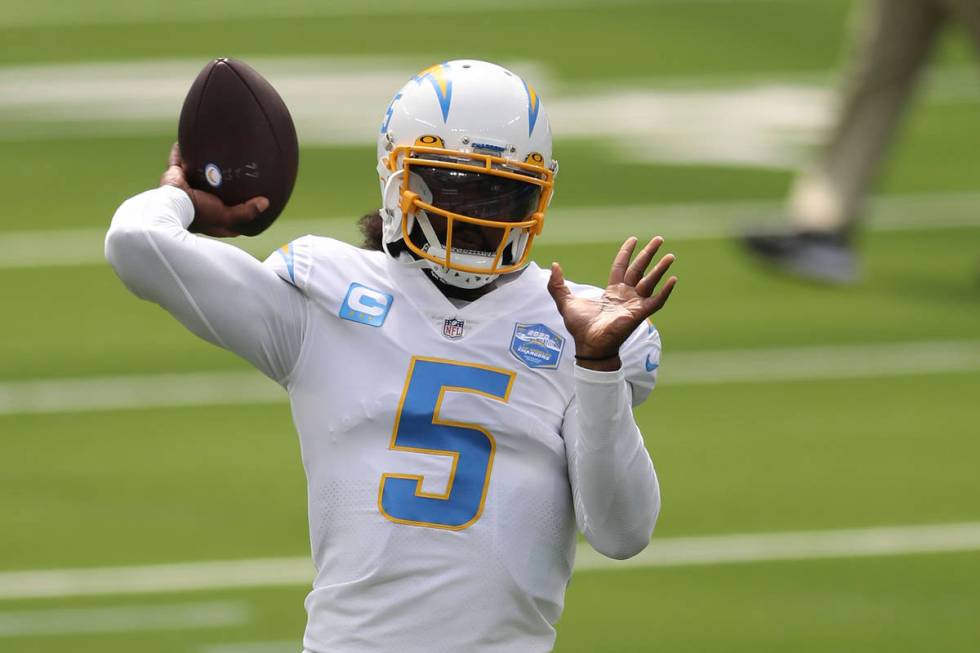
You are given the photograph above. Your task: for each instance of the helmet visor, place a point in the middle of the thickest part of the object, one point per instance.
(480, 195)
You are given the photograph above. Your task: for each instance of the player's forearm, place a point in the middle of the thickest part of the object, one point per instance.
(618, 495)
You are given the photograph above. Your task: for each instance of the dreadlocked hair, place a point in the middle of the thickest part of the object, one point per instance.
(372, 230)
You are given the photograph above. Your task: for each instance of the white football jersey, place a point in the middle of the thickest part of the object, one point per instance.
(441, 516)
(450, 452)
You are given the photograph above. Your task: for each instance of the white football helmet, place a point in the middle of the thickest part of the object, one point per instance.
(464, 153)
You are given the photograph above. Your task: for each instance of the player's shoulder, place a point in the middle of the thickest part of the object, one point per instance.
(310, 261)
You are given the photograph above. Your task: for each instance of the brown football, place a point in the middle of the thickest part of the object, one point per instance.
(238, 140)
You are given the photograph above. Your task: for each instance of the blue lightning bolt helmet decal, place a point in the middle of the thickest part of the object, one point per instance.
(442, 85)
(533, 104)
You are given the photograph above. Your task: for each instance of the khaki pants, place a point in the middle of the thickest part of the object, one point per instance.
(894, 40)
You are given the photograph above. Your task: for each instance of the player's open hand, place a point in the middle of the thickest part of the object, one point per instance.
(211, 216)
(601, 325)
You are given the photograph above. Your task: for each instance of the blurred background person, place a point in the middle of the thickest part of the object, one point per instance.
(894, 41)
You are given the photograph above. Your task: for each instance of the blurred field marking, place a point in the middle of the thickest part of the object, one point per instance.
(663, 552)
(819, 362)
(804, 545)
(757, 120)
(764, 124)
(765, 365)
(275, 646)
(156, 579)
(121, 619)
(147, 391)
(99, 12)
(694, 221)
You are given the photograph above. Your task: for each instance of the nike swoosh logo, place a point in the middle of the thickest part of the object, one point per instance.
(650, 366)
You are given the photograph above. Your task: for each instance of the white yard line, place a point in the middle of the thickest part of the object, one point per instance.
(663, 552)
(274, 646)
(804, 545)
(760, 120)
(155, 579)
(591, 224)
(819, 362)
(148, 391)
(97, 12)
(123, 619)
(678, 369)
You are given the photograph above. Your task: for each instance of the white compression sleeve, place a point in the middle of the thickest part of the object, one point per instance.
(216, 290)
(614, 485)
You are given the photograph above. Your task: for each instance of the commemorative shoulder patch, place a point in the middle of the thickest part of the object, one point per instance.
(537, 346)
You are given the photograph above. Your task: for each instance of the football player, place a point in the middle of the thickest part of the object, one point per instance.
(460, 410)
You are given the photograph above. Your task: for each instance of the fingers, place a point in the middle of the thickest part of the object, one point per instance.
(246, 211)
(213, 218)
(646, 285)
(618, 270)
(175, 158)
(655, 303)
(557, 288)
(174, 174)
(220, 232)
(636, 269)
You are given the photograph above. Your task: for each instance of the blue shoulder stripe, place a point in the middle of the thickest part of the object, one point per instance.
(286, 252)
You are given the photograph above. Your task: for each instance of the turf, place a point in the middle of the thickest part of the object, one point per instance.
(224, 482)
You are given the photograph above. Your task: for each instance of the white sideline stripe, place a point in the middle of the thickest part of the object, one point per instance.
(663, 552)
(122, 619)
(592, 224)
(679, 369)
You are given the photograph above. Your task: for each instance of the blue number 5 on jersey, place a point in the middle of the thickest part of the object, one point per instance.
(419, 428)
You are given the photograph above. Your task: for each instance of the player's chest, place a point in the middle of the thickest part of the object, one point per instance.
(378, 347)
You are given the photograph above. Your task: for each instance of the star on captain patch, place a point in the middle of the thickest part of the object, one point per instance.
(452, 328)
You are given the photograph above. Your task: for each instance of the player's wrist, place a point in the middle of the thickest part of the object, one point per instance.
(181, 201)
(600, 362)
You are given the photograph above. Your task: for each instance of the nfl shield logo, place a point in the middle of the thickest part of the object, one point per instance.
(452, 328)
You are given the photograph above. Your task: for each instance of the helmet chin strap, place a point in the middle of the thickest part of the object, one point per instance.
(458, 278)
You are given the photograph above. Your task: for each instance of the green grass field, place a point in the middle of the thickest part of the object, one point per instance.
(152, 485)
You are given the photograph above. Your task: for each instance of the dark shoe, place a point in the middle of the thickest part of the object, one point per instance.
(823, 257)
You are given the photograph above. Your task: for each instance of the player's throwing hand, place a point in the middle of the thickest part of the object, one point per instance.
(211, 216)
(601, 325)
